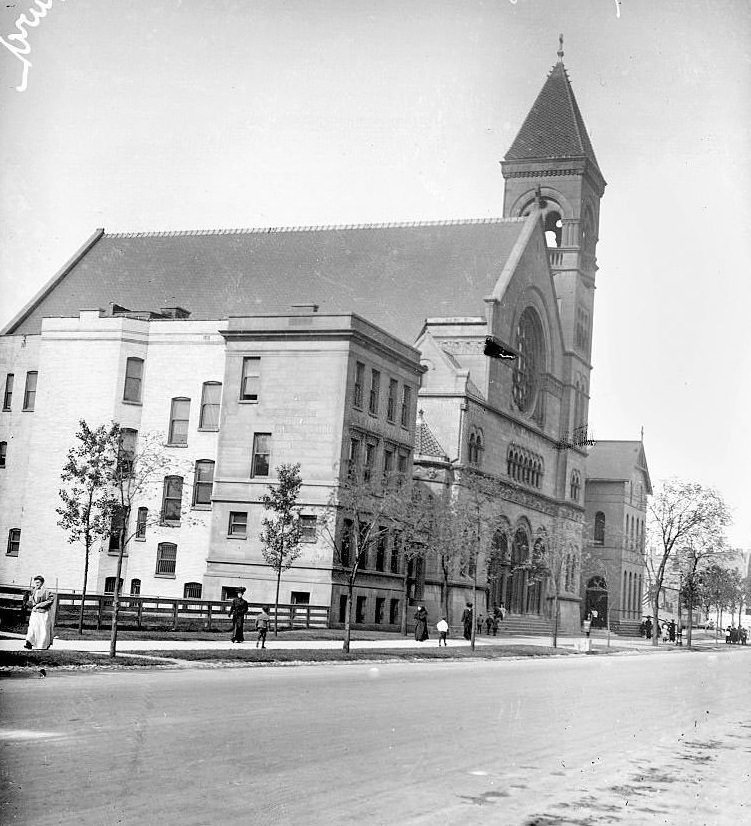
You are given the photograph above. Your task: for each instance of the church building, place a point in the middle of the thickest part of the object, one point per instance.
(250, 348)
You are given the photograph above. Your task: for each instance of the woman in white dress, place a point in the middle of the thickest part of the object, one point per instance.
(41, 602)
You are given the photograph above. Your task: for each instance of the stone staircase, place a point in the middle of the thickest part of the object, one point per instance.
(524, 625)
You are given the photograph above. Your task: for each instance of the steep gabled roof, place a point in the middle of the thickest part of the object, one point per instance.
(554, 127)
(616, 461)
(426, 443)
(395, 275)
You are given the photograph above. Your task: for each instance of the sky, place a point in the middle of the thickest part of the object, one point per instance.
(148, 115)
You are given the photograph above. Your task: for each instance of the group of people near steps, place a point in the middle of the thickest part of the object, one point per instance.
(237, 610)
(491, 622)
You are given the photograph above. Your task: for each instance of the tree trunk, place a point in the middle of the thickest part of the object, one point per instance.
(656, 617)
(555, 618)
(83, 591)
(690, 615)
(348, 618)
(116, 602)
(276, 601)
(474, 608)
(405, 601)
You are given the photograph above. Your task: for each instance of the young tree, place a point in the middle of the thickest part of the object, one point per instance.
(88, 501)
(282, 534)
(360, 514)
(682, 517)
(141, 471)
(555, 559)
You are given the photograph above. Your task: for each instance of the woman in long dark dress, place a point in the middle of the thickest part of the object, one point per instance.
(421, 624)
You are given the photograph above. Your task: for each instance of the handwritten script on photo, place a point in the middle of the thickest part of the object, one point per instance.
(20, 47)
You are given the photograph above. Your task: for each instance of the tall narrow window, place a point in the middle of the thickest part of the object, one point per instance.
(345, 554)
(166, 559)
(370, 454)
(251, 379)
(375, 391)
(3, 453)
(388, 465)
(8, 396)
(406, 405)
(575, 485)
(359, 380)
(116, 526)
(128, 441)
(391, 402)
(133, 380)
(178, 421)
(261, 454)
(354, 457)
(141, 520)
(203, 482)
(135, 587)
(172, 499)
(211, 398)
(14, 541)
(30, 393)
(109, 585)
(599, 528)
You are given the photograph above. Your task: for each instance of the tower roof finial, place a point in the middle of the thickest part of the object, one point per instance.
(560, 48)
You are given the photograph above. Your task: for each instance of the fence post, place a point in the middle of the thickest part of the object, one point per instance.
(100, 606)
(307, 617)
(174, 615)
(140, 613)
(208, 618)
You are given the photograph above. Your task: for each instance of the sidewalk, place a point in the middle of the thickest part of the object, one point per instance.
(599, 644)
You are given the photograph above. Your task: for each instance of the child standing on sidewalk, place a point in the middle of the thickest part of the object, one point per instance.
(443, 629)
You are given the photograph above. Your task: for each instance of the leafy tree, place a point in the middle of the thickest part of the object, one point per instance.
(88, 500)
(282, 534)
(683, 518)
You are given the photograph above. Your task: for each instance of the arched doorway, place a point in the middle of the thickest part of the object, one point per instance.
(499, 571)
(596, 601)
(516, 590)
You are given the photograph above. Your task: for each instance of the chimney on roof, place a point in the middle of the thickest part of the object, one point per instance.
(174, 312)
(301, 309)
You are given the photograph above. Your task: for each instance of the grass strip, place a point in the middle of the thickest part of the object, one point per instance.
(58, 659)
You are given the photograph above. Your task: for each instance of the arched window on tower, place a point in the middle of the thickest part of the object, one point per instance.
(553, 229)
(599, 528)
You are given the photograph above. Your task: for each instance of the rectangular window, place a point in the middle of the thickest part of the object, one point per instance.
(203, 481)
(14, 541)
(113, 546)
(346, 543)
(302, 599)
(128, 442)
(375, 391)
(238, 524)
(178, 422)
(135, 587)
(141, 520)
(379, 604)
(354, 456)
(261, 453)
(342, 608)
(251, 379)
(403, 466)
(166, 559)
(359, 381)
(133, 380)
(30, 393)
(388, 464)
(395, 550)
(394, 612)
(308, 528)
(211, 398)
(172, 499)
(192, 590)
(370, 455)
(360, 609)
(391, 403)
(406, 405)
(3, 453)
(8, 391)
(380, 561)
(109, 585)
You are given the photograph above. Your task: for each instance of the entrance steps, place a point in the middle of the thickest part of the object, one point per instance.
(524, 625)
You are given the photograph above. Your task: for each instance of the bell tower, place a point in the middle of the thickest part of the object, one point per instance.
(551, 168)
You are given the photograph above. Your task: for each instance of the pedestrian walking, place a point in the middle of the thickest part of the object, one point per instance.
(467, 621)
(41, 601)
(488, 624)
(421, 624)
(237, 610)
(648, 627)
(262, 626)
(443, 629)
(671, 630)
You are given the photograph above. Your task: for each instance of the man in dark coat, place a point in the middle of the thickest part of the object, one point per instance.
(467, 621)
(237, 611)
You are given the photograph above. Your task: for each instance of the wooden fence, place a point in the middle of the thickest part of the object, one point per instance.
(141, 612)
